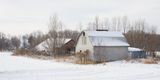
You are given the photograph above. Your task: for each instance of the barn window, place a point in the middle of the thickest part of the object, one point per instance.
(84, 38)
(83, 33)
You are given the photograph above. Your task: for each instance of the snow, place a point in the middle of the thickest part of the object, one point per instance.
(157, 54)
(43, 45)
(23, 68)
(67, 40)
(105, 41)
(106, 38)
(134, 49)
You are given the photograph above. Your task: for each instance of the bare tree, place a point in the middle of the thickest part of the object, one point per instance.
(25, 43)
(56, 38)
(114, 24)
(95, 24)
(36, 38)
(80, 27)
(125, 23)
(15, 42)
(107, 24)
(5, 42)
(2, 39)
(152, 42)
(71, 34)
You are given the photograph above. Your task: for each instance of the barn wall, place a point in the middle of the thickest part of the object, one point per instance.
(110, 53)
(84, 47)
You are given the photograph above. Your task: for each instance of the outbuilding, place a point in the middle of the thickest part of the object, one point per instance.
(136, 52)
(65, 48)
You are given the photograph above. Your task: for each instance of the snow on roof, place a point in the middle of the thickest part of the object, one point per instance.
(67, 40)
(44, 45)
(104, 33)
(106, 38)
(99, 41)
(134, 49)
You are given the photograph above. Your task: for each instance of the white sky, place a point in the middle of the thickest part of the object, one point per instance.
(25, 16)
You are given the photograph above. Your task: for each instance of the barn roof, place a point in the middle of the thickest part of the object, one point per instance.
(44, 45)
(106, 38)
(134, 49)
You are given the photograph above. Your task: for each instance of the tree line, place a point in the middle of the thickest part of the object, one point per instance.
(138, 34)
(8, 43)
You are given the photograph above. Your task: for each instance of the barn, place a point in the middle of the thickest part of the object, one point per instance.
(66, 48)
(103, 45)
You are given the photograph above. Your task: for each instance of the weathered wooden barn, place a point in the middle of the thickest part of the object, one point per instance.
(69, 46)
(103, 45)
(66, 48)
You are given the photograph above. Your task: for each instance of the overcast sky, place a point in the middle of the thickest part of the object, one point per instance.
(25, 16)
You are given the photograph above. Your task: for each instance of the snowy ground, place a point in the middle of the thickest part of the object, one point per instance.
(22, 68)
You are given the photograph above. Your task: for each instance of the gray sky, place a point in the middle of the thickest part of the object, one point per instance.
(25, 16)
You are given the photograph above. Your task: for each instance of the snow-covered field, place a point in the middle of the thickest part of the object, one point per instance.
(22, 68)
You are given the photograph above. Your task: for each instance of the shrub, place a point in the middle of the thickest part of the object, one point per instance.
(83, 58)
(29, 52)
(22, 52)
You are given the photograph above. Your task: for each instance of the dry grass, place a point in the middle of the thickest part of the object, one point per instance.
(150, 61)
(41, 57)
(32, 54)
(65, 58)
(18, 52)
(128, 59)
(86, 62)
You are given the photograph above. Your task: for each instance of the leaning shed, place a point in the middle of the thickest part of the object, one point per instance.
(68, 47)
(103, 45)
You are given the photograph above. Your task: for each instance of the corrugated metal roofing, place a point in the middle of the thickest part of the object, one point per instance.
(106, 38)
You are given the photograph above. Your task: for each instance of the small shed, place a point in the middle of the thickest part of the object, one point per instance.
(136, 52)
